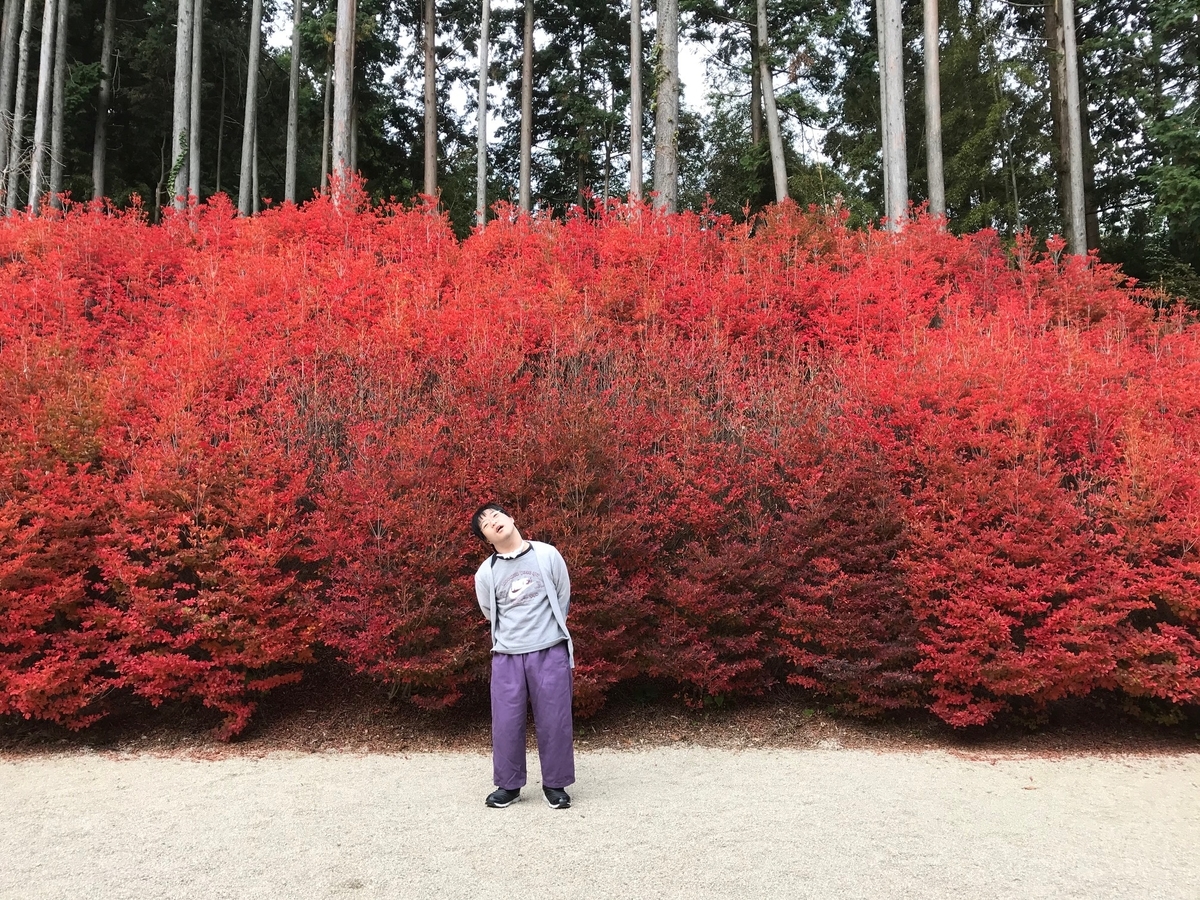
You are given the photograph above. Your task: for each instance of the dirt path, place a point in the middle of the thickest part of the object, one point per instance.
(664, 822)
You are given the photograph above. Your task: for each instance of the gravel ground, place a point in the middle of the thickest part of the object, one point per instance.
(668, 822)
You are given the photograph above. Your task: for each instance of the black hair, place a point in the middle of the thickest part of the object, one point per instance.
(475, 529)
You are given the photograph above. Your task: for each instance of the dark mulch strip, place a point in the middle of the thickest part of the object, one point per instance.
(333, 710)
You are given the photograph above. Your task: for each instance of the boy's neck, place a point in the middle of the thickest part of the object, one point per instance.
(511, 543)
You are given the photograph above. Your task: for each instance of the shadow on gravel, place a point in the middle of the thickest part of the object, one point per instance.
(332, 709)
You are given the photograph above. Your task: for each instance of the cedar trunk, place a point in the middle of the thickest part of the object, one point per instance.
(1077, 222)
(635, 100)
(880, 28)
(17, 137)
(778, 169)
(57, 105)
(8, 65)
(895, 153)
(666, 120)
(430, 98)
(481, 133)
(526, 189)
(343, 97)
(755, 90)
(246, 179)
(1060, 116)
(327, 103)
(293, 120)
(41, 119)
(933, 113)
(181, 119)
(100, 143)
(194, 101)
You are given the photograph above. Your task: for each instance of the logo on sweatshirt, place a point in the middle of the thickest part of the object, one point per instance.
(521, 588)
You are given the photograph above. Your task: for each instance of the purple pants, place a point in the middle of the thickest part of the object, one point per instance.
(541, 679)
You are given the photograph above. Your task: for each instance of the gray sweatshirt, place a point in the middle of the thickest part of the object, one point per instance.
(547, 563)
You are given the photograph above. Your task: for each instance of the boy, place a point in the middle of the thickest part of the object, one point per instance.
(524, 591)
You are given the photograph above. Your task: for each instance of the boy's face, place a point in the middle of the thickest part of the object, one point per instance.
(495, 525)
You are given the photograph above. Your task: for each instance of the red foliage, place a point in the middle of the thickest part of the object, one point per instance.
(52, 513)
(902, 471)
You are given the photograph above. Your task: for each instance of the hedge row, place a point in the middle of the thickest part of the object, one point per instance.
(922, 471)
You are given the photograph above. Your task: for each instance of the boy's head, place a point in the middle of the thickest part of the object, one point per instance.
(485, 515)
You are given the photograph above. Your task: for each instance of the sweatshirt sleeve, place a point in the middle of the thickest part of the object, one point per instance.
(483, 594)
(562, 581)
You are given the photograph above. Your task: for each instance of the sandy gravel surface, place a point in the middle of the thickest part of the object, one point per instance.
(664, 822)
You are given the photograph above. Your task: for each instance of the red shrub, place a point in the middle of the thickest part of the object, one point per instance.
(53, 510)
(901, 471)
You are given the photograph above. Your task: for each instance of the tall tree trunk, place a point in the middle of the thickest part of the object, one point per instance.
(666, 120)
(608, 147)
(895, 155)
(1061, 116)
(254, 207)
(57, 104)
(755, 90)
(880, 28)
(933, 112)
(8, 65)
(343, 97)
(430, 48)
(526, 189)
(354, 135)
(481, 133)
(293, 120)
(583, 140)
(327, 98)
(778, 169)
(104, 101)
(1091, 215)
(160, 185)
(635, 100)
(221, 127)
(41, 117)
(1056, 63)
(194, 101)
(245, 181)
(183, 103)
(583, 155)
(1077, 238)
(17, 138)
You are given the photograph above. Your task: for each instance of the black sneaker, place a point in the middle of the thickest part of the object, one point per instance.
(557, 798)
(502, 797)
